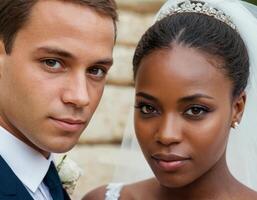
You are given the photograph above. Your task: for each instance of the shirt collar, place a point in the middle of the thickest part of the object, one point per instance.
(28, 165)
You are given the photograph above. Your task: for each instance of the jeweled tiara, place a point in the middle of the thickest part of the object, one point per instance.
(197, 7)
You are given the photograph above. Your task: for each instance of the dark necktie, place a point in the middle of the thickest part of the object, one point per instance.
(53, 183)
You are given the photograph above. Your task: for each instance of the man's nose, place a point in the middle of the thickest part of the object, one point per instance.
(76, 92)
(169, 131)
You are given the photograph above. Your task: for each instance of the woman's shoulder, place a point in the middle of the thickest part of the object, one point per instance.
(140, 190)
(105, 192)
(247, 193)
(119, 191)
(96, 194)
(238, 190)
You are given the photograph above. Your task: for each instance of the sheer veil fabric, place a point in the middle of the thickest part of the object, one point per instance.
(242, 145)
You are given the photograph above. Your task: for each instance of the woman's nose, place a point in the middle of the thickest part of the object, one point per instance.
(169, 131)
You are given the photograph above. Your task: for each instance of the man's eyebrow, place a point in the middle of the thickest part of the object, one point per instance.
(55, 51)
(66, 54)
(106, 61)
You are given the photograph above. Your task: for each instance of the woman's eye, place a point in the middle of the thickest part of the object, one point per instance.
(146, 109)
(98, 72)
(196, 111)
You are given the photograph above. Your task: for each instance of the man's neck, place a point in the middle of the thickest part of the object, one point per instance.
(12, 130)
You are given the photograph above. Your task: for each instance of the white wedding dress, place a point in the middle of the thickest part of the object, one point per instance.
(113, 191)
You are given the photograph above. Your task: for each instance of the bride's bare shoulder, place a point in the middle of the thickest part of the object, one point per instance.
(139, 190)
(241, 191)
(96, 194)
(247, 193)
(133, 191)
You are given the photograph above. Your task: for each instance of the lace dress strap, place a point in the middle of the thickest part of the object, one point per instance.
(113, 191)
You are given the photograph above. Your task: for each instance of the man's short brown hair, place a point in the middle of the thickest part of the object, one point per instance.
(15, 13)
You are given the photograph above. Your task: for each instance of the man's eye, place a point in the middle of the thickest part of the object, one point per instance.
(196, 111)
(98, 72)
(52, 64)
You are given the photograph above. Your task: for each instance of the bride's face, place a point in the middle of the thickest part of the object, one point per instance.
(183, 114)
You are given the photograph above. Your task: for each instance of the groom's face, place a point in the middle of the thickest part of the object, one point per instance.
(54, 77)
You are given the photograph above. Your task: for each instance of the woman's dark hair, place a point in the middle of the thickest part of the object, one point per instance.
(206, 34)
(14, 14)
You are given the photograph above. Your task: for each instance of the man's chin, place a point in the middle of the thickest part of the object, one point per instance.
(58, 147)
(62, 149)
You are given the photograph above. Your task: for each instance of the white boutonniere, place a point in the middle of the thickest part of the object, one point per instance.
(69, 173)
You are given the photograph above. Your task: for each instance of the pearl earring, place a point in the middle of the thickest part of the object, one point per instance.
(235, 125)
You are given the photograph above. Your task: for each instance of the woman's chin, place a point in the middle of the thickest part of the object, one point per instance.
(173, 183)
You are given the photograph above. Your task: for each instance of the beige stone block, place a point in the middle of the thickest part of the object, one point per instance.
(97, 163)
(140, 5)
(131, 27)
(121, 72)
(107, 124)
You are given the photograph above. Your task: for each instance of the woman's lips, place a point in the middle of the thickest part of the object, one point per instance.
(68, 124)
(169, 162)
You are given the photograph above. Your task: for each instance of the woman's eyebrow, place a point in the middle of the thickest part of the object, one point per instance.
(194, 97)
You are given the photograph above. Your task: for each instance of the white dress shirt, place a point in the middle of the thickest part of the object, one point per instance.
(28, 165)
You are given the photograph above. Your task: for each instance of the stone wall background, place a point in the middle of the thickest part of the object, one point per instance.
(98, 147)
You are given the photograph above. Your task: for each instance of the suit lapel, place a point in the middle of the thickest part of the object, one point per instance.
(66, 196)
(11, 188)
(53, 182)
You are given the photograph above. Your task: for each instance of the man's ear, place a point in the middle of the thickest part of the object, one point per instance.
(2, 56)
(238, 109)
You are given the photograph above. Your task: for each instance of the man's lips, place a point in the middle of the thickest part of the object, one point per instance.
(68, 124)
(70, 120)
(169, 161)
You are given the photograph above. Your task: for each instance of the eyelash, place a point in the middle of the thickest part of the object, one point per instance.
(52, 69)
(141, 105)
(153, 111)
(203, 111)
(91, 71)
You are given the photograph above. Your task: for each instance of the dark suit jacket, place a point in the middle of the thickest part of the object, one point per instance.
(11, 188)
